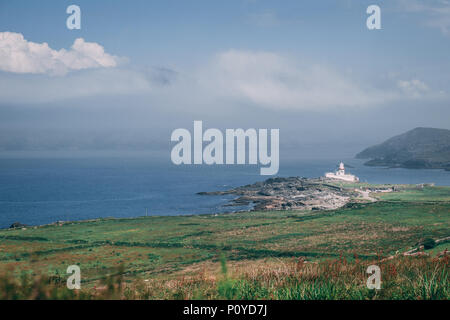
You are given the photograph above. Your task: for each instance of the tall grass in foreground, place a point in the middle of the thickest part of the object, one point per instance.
(402, 278)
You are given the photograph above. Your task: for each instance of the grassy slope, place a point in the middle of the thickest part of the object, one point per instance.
(425, 194)
(158, 246)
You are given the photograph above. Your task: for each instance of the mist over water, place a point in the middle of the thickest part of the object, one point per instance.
(45, 190)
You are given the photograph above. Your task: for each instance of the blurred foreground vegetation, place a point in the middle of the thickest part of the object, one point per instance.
(251, 255)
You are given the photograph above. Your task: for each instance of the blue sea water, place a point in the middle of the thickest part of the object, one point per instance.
(41, 191)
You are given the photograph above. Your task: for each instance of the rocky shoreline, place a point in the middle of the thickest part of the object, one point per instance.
(293, 193)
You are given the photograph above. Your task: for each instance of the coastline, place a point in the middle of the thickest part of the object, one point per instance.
(87, 189)
(319, 190)
(166, 251)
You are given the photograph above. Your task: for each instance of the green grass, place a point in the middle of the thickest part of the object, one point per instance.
(338, 279)
(425, 194)
(163, 248)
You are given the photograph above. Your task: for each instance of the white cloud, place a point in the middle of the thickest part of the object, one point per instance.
(232, 78)
(18, 55)
(31, 89)
(273, 81)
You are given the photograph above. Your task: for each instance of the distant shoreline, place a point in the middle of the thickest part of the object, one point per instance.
(243, 198)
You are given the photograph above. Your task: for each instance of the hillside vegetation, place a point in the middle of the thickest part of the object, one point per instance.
(418, 148)
(254, 255)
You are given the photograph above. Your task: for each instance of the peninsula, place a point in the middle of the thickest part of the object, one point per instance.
(420, 148)
(298, 193)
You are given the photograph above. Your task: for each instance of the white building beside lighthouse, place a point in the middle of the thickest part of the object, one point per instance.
(341, 175)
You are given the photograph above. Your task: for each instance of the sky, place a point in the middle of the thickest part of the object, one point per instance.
(137, 70)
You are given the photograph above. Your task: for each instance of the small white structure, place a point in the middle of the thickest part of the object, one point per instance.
(341, 175)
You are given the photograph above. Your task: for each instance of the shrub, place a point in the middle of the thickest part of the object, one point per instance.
(428, 243)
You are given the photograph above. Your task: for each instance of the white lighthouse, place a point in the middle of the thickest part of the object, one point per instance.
(341, 175)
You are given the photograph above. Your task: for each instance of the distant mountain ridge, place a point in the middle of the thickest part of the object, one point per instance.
(418, 148)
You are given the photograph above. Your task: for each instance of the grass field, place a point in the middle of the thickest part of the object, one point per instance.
(425, 194)
(273, 255)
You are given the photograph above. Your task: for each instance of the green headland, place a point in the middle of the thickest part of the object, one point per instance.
(282, 254)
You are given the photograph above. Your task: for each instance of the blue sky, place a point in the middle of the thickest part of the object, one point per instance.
(297, 65)
(166, 32)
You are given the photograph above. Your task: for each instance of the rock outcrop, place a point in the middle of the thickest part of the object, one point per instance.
(292, 193)
(17, 225)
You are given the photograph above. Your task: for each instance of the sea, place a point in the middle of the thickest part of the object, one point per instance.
(37, 191)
